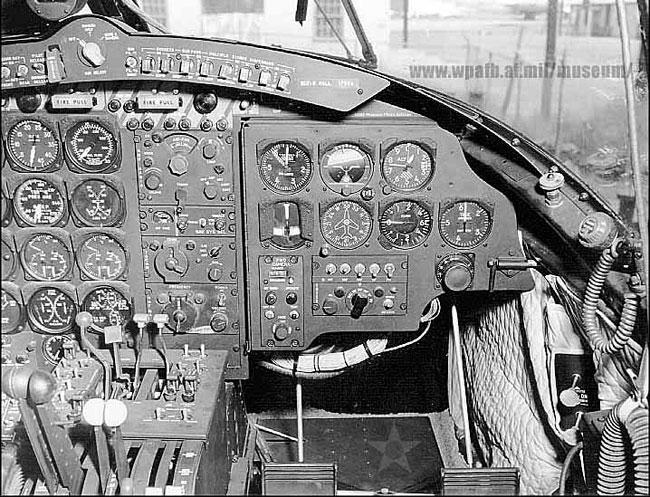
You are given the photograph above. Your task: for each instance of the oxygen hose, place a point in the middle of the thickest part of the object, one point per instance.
(628, 416)
(590, 306)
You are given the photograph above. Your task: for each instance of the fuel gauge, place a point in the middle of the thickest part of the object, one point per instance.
(46, 257)
(102, 257)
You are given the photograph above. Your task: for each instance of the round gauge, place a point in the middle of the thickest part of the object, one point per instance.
(32, 145)
(97, 203)
(346, 168)
(51, 310)
(39, 202)
(107, 306)
(8, 260)
(46, 257)
(285, 167)
(12, 314)
(407, 167)
(405, 224)
(346, 225)
(91, 146)
(465, 224)
(53, 347)
(102, 257)
(6, 210)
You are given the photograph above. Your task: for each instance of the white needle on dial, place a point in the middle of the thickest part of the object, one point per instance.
(32, 155)
(85, 152)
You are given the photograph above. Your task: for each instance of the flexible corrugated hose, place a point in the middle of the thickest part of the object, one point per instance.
(613, 457)
(590, 306)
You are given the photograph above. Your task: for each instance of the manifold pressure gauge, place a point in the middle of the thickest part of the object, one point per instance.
(405, 224)
(465, 223)
(46, 257)
(285, 167)
(32, 145)
(346, 225)
(38, 202)
(91, 147)
(102, 257)
(51, 310)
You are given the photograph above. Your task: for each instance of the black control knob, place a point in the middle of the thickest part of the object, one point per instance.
(359, 303)
(455, 272)
(292, 298)
(204, 103)
(281, 331)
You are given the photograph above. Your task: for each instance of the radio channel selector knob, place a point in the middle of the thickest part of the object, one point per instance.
(215, 274)
(330, 307)
(455, 272)
(281, 331)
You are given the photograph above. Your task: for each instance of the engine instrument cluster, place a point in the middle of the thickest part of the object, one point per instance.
(189, 185)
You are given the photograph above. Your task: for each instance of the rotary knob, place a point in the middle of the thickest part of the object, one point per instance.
(91, 53)
(281, 331)
(455, 272)
(178, 165)
(219, 322)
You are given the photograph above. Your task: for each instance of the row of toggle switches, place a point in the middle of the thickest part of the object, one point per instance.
(360, 269)
(206, 68)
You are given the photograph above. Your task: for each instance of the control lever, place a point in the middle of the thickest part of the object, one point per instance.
(115, 413)
(570, 397)
(161, 320)
(84, 320)
(93, 414)
(141, 321)
(359, 303)
(508, 264)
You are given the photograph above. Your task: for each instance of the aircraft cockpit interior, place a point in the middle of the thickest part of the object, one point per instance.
(242, 269)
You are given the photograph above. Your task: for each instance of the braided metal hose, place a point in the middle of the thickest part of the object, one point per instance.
(590, 305)
(613, 456)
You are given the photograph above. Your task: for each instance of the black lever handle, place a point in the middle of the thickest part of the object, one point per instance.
(358, 305)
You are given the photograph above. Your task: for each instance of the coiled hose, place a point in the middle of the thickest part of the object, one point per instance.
(612, 457)
(590, 306)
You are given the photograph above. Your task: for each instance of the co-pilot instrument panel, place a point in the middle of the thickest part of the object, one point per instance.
(188, 183)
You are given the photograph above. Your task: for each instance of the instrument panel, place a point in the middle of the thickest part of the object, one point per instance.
(189, 184)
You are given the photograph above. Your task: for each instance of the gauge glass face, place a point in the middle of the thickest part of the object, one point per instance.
(465, 224)
(8, 260)
(12, 314)
(97, 203)
(407, 167)
(287, 226)
(53, 347)
(46, 257)
(39, 203)
(107, 306)
(91, 146)
(102, 257)
(51, 310)
(346, 225)
(346, 168)
(285, 167)
(32, 145)
(405, 224)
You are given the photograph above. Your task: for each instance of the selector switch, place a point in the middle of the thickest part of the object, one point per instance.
(330, 307)
(152, 181)
(359, 303)
(291, 298)
(271, 298)
(178, 165)
(455, 272)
